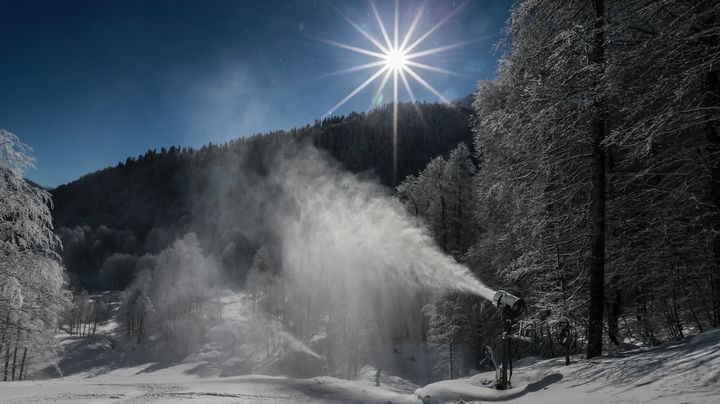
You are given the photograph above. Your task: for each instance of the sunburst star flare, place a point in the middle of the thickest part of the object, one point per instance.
(395, 58)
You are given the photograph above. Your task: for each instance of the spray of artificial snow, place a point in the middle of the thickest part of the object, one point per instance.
(353, 270)
(296, 345)
(346, 230)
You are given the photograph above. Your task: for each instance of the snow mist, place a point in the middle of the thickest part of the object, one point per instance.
(357, 269)
(348, 230)
(341, 272)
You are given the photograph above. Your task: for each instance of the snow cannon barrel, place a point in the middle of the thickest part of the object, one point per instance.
(513, 305)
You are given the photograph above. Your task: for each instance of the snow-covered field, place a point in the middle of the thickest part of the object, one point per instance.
(682, 372)
(687, 372)
(131, 385)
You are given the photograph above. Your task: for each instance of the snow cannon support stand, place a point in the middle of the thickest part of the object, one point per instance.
(511, 307)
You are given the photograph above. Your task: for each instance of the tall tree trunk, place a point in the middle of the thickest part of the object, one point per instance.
(7, 361)
(597, 208)
(97, 314)
(22, 364)
(5, 332)
(17, 342)
(451, 359)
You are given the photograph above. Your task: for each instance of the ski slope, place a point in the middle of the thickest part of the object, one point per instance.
(94, 372)
(683, 372)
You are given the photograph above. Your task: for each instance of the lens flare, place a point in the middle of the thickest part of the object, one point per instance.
(396, 60)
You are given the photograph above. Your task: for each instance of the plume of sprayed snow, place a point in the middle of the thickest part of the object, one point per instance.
(341, 229)
(352, 266)
(294, 344)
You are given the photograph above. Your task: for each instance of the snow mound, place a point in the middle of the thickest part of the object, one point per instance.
(481, 387)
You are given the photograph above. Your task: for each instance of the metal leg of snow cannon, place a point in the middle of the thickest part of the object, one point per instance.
(505, 371)
(510, 307)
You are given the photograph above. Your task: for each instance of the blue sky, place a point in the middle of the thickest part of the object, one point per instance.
(89, 83)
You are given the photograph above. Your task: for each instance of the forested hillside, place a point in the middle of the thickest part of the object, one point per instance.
(109, 218)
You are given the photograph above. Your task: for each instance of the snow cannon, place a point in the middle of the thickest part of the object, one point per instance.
(510, 305)
(510, 308)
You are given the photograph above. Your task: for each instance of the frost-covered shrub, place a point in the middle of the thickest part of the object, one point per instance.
(171, 304)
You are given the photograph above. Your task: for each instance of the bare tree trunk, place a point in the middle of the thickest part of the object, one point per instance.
(627, 327)
(597, 208)
(670, 319)
(5, 332)
(7, 361)
(22, 364)
(676, 316)
(97, 314)
(451, 359)
(17, 341)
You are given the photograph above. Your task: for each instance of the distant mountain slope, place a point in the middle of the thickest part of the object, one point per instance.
(142, 204)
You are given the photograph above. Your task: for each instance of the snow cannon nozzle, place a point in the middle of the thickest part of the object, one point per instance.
(513, 305)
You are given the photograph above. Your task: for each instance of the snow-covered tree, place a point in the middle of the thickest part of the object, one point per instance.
(261, 278)
(443, 196)
(460, 174)
(545, 136)
(598, 153)
(31, 280)
(667, 81)
(172, 300)
(266, 289)
(448, 330)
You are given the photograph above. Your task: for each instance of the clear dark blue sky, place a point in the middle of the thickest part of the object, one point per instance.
(89, 83)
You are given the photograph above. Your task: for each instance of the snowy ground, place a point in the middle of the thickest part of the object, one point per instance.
(172, 385)
(687, 372)
(682, 372)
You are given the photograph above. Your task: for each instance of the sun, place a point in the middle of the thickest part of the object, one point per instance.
(397, 59)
